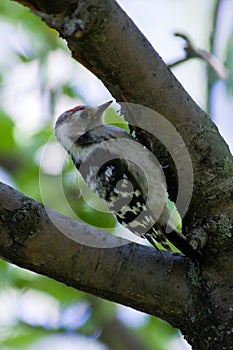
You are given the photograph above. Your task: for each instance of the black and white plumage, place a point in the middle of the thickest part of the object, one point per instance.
(119, 170)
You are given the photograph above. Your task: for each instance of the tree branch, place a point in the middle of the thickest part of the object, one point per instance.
(33, 237)
(192, 52)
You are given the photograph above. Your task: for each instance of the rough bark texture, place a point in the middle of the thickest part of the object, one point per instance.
(130, 274)
(106, 41)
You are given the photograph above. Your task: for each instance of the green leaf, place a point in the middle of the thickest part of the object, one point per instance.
(112, 118)
(7, 142)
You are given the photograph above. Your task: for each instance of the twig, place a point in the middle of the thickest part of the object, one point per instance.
(192, 52)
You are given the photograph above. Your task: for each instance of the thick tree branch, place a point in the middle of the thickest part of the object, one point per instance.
(127, 273)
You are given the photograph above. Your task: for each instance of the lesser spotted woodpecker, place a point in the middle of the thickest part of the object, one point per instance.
(113, 165)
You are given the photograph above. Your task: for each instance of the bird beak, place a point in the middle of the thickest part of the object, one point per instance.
(103, 107)
(97, 114)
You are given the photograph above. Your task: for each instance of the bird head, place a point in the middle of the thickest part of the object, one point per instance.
(76, 121)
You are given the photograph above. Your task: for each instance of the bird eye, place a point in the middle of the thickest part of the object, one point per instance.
(83, 115)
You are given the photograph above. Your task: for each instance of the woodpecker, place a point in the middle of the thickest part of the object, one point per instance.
(119, 170)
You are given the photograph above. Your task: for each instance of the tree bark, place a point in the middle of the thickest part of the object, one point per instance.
(33, 237)
(106, 41)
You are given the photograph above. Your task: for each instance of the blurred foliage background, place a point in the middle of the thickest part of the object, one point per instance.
(39, 80)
